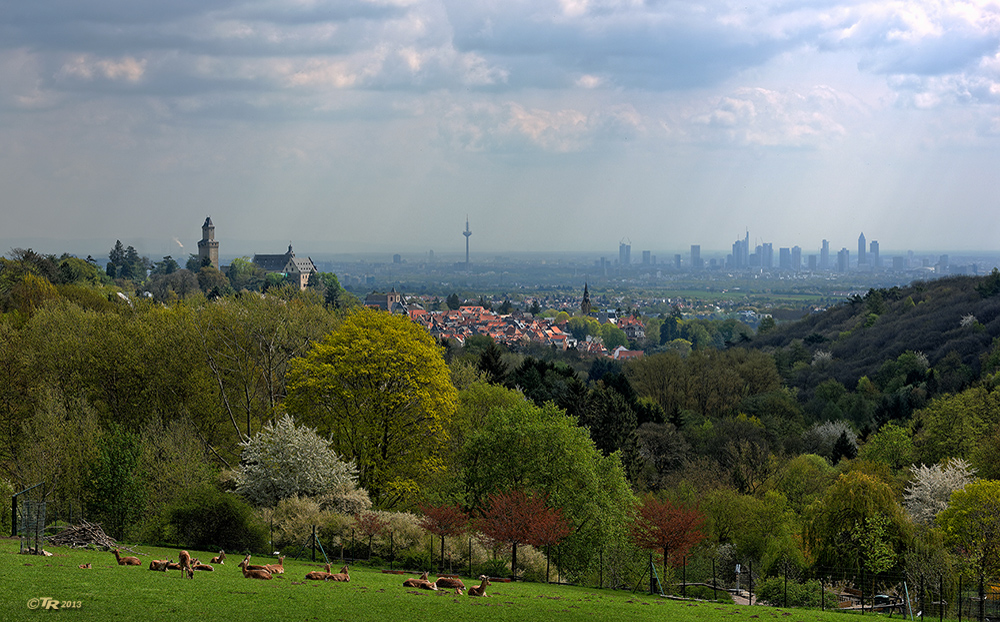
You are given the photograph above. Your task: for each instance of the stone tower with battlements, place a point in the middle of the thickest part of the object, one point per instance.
(208, 246)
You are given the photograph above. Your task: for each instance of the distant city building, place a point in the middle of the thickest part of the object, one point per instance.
(785, 258)
(767, 255)
(796, 258)
(741, 252)
(812, 263)
(696, 257)
(208, 246)
(843, 260)
(899, 264)
(873, 254)
(624, 254)
(862, 249)
(824, 256)
(645, 258)
(297, 269)
(397, 258)
(677, 261)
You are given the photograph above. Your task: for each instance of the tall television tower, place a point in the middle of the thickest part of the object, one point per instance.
(467, 233)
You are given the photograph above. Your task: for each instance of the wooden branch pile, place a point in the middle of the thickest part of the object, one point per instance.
(83, 535)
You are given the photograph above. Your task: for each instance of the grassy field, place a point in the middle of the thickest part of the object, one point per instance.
(111, 592)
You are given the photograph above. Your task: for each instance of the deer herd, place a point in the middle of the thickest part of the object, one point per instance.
(189, 566)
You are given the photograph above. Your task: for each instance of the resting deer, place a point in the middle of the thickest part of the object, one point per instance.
(255, 574)
(341, 576)
(159, 564)
(197, 565)
(173, 566)
(421, 583)
(85, 566)
(246, 563)
(319, 575)
(127, 561)
(450, 582)
(278, 568)
(480, 590)
(219, 559)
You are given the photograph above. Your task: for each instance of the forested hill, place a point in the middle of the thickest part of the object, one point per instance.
(951, 321)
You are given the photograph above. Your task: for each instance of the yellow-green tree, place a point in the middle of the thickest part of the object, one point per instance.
(379, 387)
(857, 523)
(971, 524)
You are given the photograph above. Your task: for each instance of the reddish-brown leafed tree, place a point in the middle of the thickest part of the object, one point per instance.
(444, 520)
(515, 517)
(371, 525)
(549, 529)
(666, 526)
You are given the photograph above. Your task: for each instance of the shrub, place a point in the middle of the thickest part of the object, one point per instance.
(772, 590)
(292, 520)
(210, 519)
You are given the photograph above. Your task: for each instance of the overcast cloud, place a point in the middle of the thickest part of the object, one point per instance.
(553, 124)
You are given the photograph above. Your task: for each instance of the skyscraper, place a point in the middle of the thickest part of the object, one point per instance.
(624, 253)
(796, 258)
(696, 257)
(824, 256)
(862, 250)
(873, 251)
(767, 255)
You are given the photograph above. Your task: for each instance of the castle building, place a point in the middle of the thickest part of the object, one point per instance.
(208, 246)
(298, 269)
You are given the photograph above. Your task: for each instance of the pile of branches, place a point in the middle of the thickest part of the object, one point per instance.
(85, 535)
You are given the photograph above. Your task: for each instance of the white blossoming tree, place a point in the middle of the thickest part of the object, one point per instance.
(284, 460)
(930, 488)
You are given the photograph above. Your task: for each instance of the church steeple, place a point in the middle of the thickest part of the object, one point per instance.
(585, 305)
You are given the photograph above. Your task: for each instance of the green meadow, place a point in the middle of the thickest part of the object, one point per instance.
(30, 585)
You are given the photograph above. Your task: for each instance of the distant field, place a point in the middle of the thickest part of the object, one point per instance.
(112, 592)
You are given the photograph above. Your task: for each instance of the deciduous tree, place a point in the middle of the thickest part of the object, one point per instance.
(284, 460)
(380, 388)
(515, 517)
(444, 521)
(971, 523)
(931, 487)
(666, 526)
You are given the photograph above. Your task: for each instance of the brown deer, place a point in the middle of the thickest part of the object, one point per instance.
(421, 583)
(319, 575)
(127, 561)
(255, 574)
(85, 566)
(197, 565)
(159, 564)
(340, 576)
(480, 590)
(278, 568)
(219, 559)
(249, 566)
(185, 560)
(450, 582)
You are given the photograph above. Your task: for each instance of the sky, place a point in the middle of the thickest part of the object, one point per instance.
(555, 125)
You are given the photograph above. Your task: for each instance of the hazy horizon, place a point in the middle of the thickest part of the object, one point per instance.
(552, 124)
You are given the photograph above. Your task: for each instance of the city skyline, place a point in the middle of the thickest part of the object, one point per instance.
(557, 125)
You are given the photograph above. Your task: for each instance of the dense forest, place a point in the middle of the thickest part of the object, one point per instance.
(183, 406)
